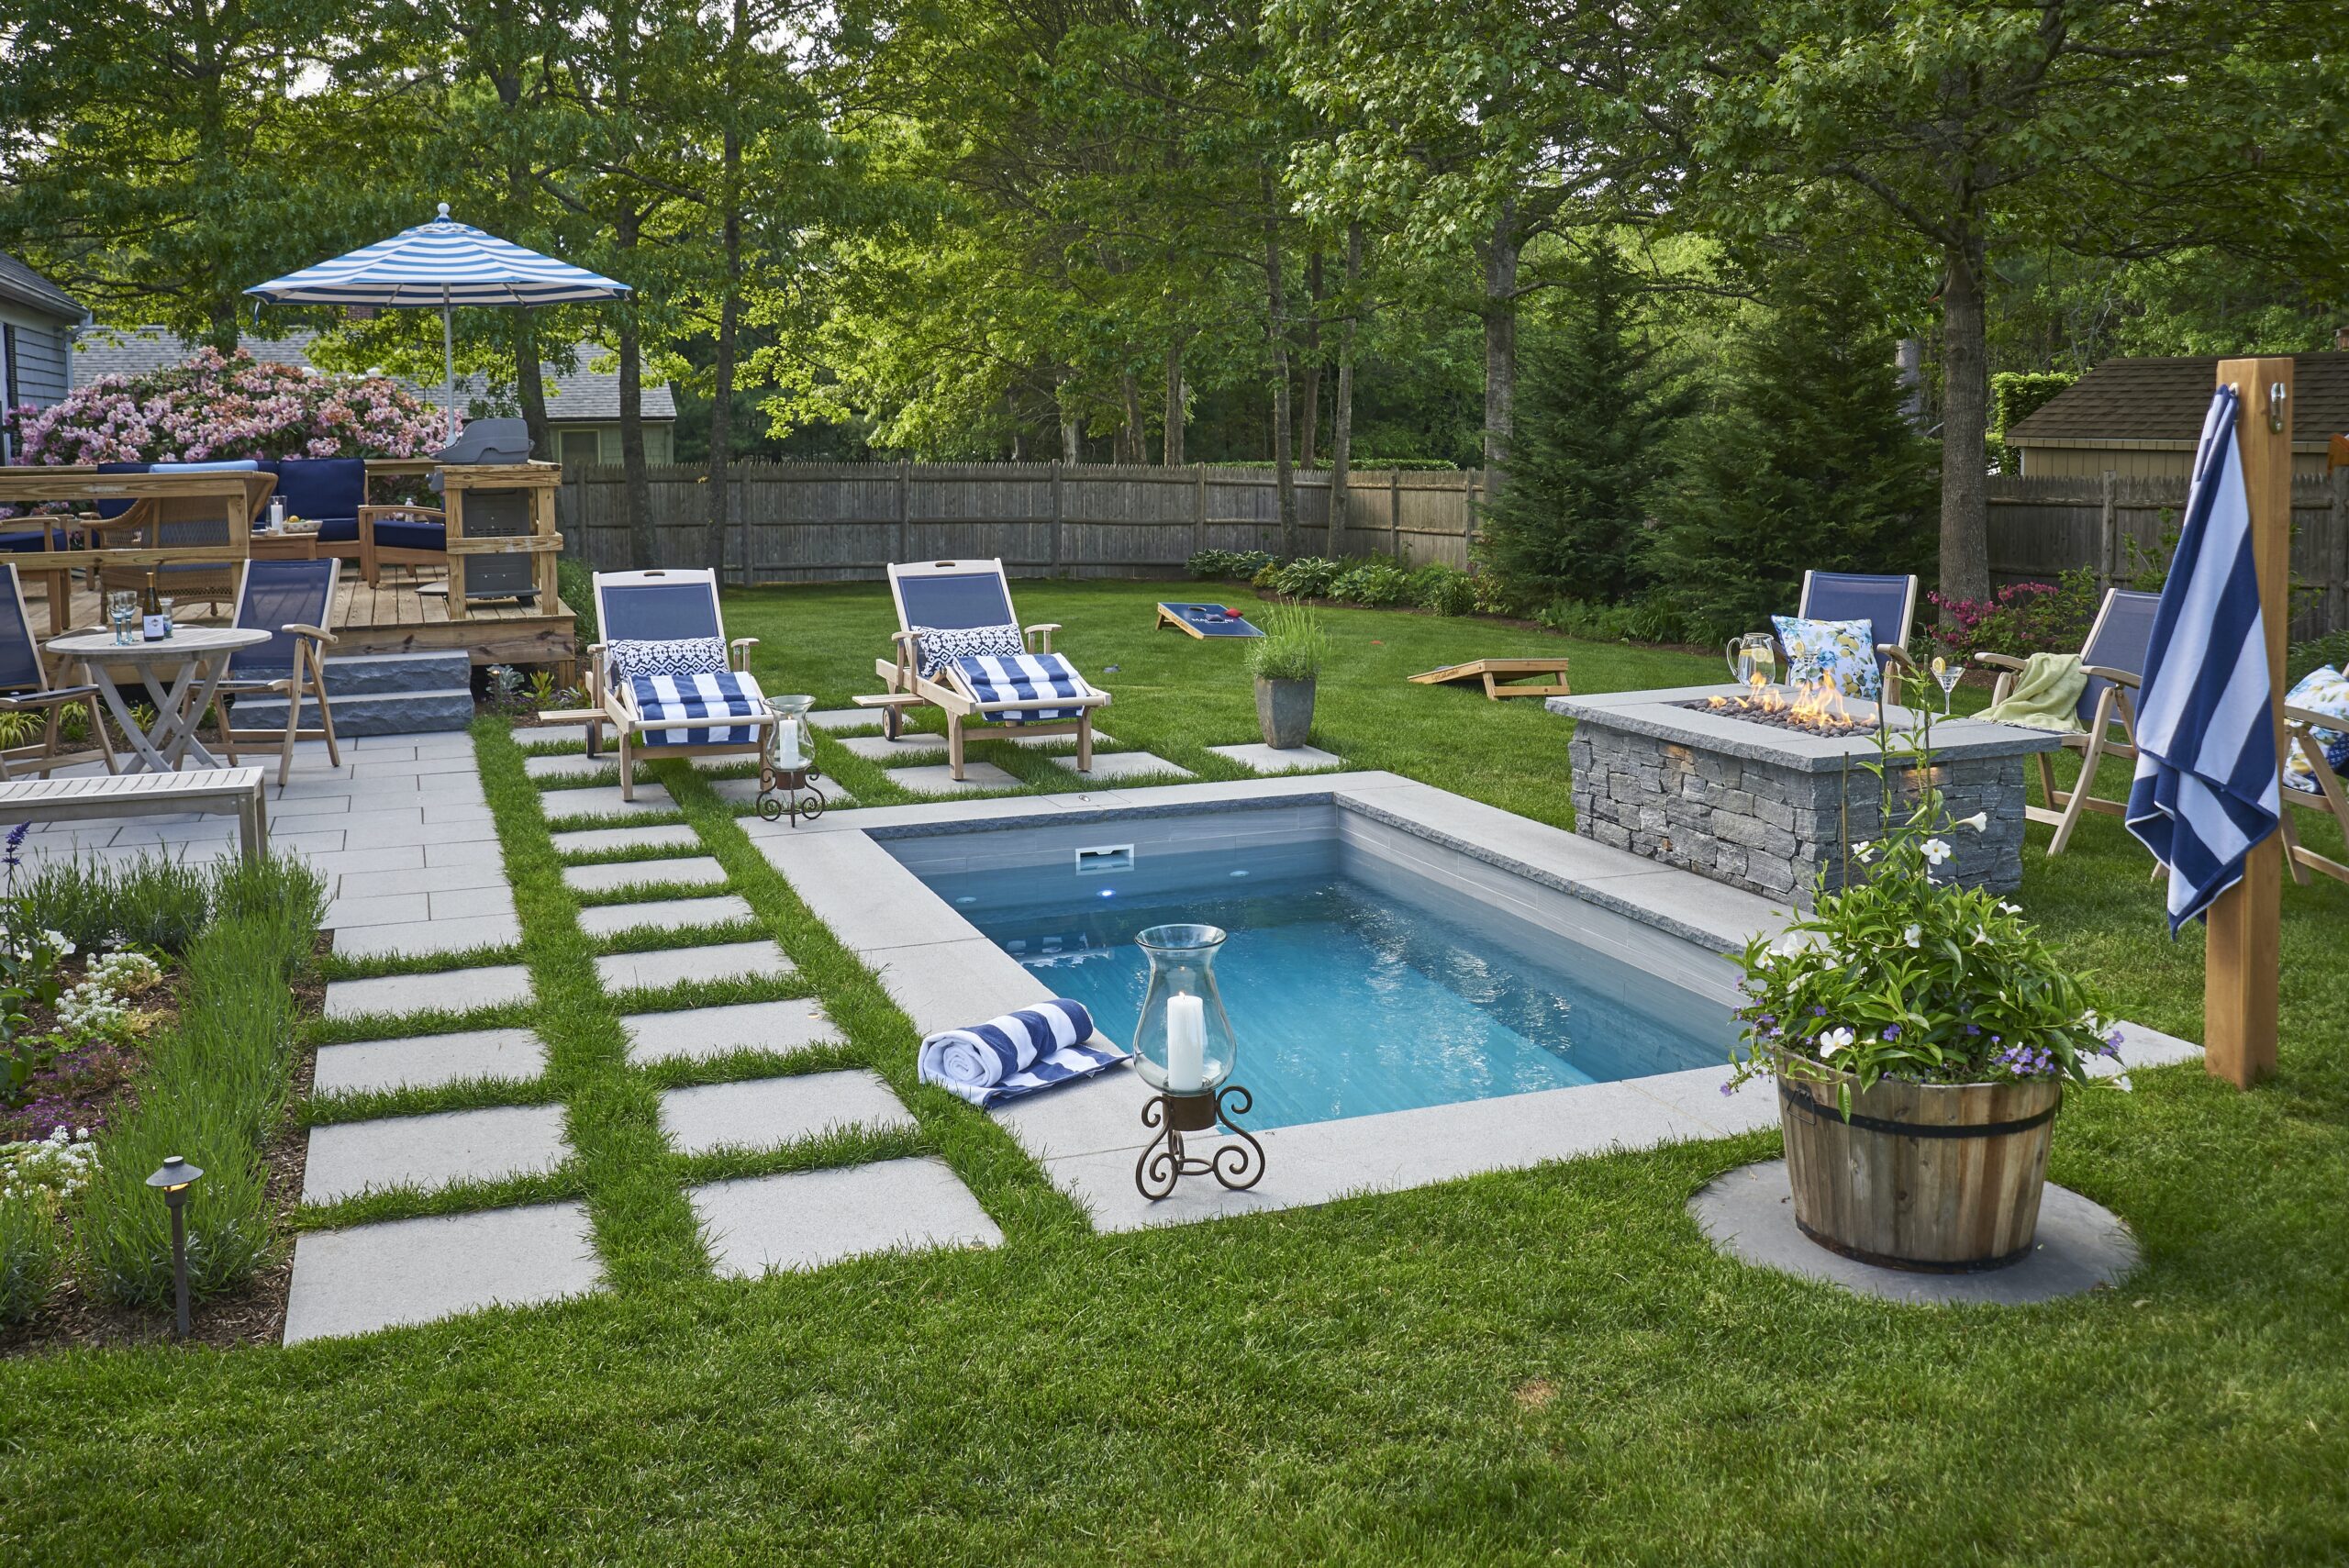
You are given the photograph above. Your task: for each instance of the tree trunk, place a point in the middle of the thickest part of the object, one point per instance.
(1173, 449)
(1130, 440)
(1277, 333)
(1966, 400)
(530, 385)
(721, 395)
(1342, 417)
(641, 549)
(1308, 421)
(1500, 345)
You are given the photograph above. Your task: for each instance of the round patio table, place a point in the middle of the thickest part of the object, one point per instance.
(178, 674)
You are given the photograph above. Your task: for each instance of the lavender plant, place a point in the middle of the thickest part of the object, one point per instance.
(1902, 974)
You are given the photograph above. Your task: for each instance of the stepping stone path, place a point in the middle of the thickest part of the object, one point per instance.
(1263, 759)
(745, 792)
(698, 1034)
(451, 991)
(663, 914)
(604, 840)
(686, 871)
(414, 1270)
(846, 718)
(568, 767)
(425, 1062)
(603, 800)
(940, 780)
(1100, 737)
(348, 1158)
(808, 1219)
(888, 753)
(675, 966)
(767, 1113)
(1112, 765)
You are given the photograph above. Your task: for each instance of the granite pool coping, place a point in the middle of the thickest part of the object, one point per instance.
(1656, 714)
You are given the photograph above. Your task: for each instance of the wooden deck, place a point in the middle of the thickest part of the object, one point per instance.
(392, 619)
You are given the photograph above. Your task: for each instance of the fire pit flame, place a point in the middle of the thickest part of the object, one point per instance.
(1815, 706)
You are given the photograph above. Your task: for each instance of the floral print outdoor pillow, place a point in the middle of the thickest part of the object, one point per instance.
(1839, 651)
(2324, 691)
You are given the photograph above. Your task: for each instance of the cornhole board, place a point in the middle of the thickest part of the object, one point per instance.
(1496, 672)
(1203, 621)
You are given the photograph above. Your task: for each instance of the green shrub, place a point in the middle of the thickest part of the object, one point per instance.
(32, 1252)
(155, 902)
(212, 1090)
(1294, 646)
(1307, 577)
(1446, 590)
(2331, 649)
(1377, 582)
(1639, 621)
(1227, 565)
(576, 581)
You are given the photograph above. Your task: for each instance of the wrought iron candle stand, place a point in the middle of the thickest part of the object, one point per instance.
(787, 767)
(1184, 1049)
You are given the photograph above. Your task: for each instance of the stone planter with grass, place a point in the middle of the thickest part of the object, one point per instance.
(1287, 662)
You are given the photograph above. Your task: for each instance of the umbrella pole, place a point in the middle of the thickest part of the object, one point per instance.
(448, 358)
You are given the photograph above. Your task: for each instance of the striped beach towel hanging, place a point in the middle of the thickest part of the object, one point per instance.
(1015, 1054)
(706, 695)
(1025, 678)
(2206, 785)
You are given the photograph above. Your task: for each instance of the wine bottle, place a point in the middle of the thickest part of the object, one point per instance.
(153, 626)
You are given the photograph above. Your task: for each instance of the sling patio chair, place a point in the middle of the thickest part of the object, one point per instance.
(960, 650)
(1888, 603)
(663, 675)
(293, 601)
(2320, 737)
(24, 688)
(2113, 658)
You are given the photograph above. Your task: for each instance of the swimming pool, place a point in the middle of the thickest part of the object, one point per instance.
(1361, 976)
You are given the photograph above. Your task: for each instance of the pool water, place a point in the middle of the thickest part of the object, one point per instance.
(1348, 1001)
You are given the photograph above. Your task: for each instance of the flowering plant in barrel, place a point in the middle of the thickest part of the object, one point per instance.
(1920, 1015)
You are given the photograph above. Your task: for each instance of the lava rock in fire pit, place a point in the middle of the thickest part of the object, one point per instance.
(1810, 712)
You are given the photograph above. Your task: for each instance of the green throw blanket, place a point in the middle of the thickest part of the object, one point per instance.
(2046, 694)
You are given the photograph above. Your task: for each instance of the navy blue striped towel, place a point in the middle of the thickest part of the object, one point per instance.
(1015, 1054)
(1024, 677)
(704, 695)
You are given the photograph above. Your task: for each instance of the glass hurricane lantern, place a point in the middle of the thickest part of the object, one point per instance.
(1185, 1050)
(789, 766)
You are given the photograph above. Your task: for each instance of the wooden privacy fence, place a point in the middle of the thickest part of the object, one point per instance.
(2040, 527)
(801, 522)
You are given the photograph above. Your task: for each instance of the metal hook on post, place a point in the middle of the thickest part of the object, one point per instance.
(2276, 395)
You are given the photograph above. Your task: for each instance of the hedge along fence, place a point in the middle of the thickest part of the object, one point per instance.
(798, 522)
(2042, 528)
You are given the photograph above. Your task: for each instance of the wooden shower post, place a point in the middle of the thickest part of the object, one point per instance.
(2243, 960)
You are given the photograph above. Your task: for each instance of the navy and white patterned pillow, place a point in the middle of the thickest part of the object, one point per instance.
(681, 656)
(934, 648)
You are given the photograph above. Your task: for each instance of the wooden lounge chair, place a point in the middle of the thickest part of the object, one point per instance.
(175, 523)
(24, 688)
(2300, 728)
(712, 707)
(1037, 693)
(1503, 677)
(293, 601)
(2114, 658)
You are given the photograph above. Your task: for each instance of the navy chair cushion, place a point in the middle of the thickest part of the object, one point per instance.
(31, 541)
(392, 533)
(329, 489)
(339, 530)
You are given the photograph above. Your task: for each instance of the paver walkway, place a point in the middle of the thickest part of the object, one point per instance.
(807, 1218)
(1263, 759)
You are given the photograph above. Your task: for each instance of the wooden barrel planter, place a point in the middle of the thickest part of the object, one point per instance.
(1940, 1178)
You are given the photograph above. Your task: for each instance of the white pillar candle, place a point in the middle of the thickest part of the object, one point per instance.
(1187, 1044)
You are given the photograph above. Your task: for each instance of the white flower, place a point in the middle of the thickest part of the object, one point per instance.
(1833, 1040)
(2122, 1084)
(1914, 936)
(1936, 852)
(1979, 822)
(1980, 936)
(2007, 908)
(1863, 850)
(1786, 946)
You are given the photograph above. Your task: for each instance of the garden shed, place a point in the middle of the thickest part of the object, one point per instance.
(2139, 419)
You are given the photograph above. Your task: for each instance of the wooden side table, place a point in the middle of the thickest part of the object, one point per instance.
(285, 546)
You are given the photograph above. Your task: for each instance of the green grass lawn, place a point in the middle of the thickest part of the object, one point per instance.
(1534, 1367)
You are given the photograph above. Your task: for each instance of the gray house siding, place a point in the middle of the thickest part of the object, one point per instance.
(38, 366)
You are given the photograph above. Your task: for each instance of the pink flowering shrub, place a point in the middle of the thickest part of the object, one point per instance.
(2019, 619)
(216, 406)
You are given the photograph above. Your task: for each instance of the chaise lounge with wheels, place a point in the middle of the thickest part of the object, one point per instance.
(2113, 658)
(960, 650)
(664, 676)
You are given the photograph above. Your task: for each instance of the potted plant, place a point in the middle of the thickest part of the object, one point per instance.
(1287, 660)
(1922, 1036)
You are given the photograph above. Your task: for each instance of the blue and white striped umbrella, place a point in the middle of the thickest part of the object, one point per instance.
(2208, 787)
(441, 265)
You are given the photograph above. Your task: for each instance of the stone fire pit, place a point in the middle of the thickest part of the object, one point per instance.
(1767, 808)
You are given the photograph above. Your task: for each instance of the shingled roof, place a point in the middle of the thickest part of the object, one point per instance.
(21, 283)
(2164, 400)
(580, 395)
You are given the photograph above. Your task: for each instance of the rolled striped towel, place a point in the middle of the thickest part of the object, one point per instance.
(1015, 1054)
